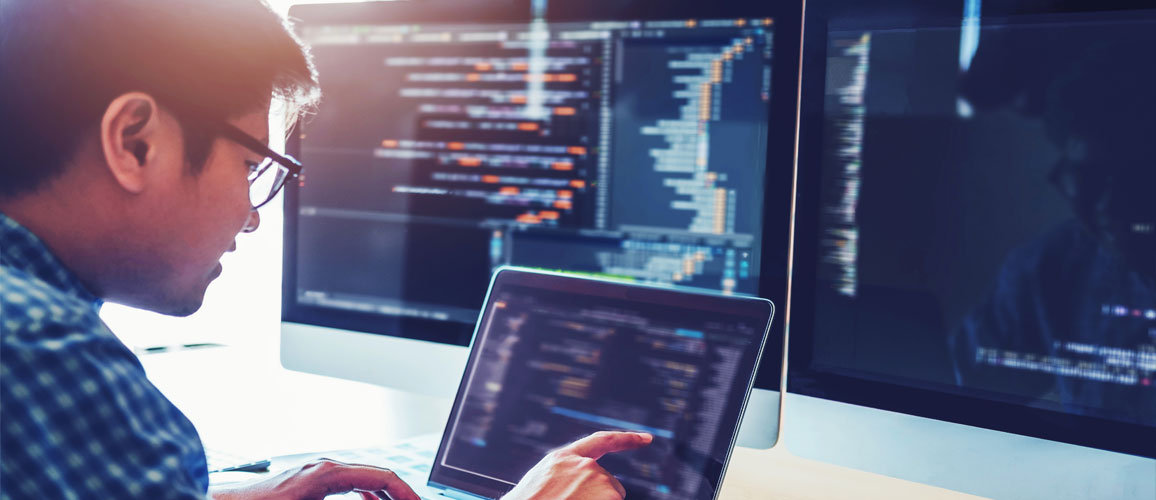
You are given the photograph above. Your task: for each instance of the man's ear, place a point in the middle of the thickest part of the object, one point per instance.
(129, 133)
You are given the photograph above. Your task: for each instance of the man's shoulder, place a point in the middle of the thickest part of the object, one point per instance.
(71, 389)
(32, 310)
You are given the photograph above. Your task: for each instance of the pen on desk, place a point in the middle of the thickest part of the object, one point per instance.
(177, 347)
(256, 466)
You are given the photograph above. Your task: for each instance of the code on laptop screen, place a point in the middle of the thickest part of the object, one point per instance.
(552, 366)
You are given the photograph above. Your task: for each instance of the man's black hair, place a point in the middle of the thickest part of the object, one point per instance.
(63, 61)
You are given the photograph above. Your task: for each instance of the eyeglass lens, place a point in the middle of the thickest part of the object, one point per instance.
(265, 181)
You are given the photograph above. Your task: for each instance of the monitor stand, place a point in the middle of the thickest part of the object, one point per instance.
(958, 457)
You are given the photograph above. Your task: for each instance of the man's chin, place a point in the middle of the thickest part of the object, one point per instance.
(185, 310)
(170, 306)
(174, 298)
(179, 307)
(186, 303)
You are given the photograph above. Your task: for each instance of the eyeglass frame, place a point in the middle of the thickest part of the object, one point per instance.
(292, 167)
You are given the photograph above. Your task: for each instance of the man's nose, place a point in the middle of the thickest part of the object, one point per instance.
(252, 223)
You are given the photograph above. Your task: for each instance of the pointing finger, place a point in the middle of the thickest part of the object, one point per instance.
(600, 443)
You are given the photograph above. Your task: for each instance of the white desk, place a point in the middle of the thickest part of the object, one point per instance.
(242, 401)
(775, 473)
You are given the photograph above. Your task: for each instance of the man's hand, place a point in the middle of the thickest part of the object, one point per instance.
(315, 480)
(572, 471)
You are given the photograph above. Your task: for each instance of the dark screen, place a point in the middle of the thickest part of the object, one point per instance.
(988, 211)
(554, 363)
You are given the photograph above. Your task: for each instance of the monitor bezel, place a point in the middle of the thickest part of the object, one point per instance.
(779, 159)
(804, 377)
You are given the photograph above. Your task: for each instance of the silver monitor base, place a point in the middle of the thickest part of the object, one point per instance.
(959, 457)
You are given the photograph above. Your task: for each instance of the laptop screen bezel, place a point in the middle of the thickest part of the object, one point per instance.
(445, 477)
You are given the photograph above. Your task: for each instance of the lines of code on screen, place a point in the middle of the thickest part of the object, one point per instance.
(554, 367)
(627, 149)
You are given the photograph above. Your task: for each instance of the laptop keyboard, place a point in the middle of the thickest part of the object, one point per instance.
(411, 460)
(406, 459)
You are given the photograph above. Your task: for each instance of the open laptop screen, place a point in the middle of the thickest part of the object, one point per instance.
(557, 357)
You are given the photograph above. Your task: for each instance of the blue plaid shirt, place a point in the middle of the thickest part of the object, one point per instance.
(78, 418)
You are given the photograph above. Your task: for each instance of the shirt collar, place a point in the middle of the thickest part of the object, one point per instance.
(22, 250)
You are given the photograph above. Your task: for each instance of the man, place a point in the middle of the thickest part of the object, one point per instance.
(1061, 288)
(133, 138)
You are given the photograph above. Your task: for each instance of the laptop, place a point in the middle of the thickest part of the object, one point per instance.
(556, 357)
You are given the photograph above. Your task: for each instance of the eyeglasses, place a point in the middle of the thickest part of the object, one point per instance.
(270, 175)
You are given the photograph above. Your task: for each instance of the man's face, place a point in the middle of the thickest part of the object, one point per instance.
(198, 219)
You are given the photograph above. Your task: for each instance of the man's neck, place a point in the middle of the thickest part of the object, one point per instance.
(75, 222)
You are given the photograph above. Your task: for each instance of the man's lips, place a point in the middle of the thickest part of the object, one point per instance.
(218, 268)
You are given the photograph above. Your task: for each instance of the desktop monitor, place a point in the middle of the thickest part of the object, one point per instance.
(975, 230)
(644, 141)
